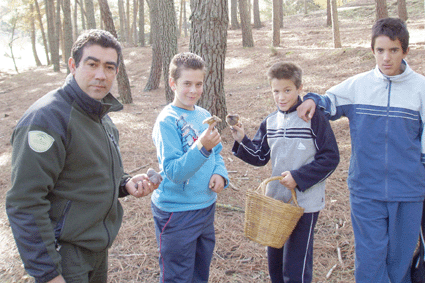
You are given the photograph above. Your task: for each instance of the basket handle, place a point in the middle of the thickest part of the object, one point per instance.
(266, 181)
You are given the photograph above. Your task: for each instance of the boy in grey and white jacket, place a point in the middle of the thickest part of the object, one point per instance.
(304, 154)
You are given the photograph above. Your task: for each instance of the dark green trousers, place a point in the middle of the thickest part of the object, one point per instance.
(80, 265)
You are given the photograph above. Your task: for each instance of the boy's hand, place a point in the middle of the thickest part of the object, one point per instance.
(210, 137)
(238, 132)
(216, 183)
(306, 109)
(288, 181)
(140, 186)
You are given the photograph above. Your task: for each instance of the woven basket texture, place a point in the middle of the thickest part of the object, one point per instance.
(268, 221)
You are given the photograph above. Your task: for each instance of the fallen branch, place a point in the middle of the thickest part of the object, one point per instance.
(229, 207)
(233, 187)
(330, 271)
(340, 257)
(137, 169)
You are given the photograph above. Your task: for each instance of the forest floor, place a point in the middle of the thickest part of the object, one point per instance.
(306, 41)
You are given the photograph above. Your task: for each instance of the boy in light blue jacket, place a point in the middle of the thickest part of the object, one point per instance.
(193, 172)
(386, 179)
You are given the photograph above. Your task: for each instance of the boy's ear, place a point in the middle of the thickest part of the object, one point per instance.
(301, 87)
(172, 83)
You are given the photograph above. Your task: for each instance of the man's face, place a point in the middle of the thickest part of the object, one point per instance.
(388, 55)
(97, 70)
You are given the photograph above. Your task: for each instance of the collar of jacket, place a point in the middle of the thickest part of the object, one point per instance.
(293, 108)
(92, 106)
(397, 78)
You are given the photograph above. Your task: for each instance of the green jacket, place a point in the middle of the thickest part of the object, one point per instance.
(67, 175)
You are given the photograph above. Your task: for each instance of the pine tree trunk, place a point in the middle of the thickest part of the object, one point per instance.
(33, 41)
(43, 34)
(52, 35)
(402, 11)
(91, 20)
(75, 22)
(335, 25)
(257, 20)
(123, 29)
(209, 40)
(67, 30)
(381, 9)
(234, 14)
(328, 13)
(276, 23)
(247, 39)
(142, 23)
(155, 37)
(168, 34)
(122, 78)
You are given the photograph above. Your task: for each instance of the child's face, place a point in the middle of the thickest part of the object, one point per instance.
(188, 88)
(285, 93)
(388, 55)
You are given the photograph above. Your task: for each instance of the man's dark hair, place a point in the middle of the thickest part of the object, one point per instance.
(185, 60)
(394, 28)
(94, 37)
(287, 71)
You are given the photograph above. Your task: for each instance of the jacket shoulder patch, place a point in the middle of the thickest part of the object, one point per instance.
(40, 141)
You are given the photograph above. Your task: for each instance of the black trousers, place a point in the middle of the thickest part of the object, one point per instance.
(294, 261)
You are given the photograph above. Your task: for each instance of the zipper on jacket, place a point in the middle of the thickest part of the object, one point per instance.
(60, 224)
(386, 136)
(110, 138)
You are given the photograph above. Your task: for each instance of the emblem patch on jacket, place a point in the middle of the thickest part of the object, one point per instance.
(40, 141)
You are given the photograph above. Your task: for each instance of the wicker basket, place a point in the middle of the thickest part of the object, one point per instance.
(268, 221)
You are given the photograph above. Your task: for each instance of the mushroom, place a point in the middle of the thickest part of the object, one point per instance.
(232, 119)
(211, 120)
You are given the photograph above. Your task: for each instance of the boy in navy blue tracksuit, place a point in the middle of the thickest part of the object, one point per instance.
(386, 179)
(304, 154)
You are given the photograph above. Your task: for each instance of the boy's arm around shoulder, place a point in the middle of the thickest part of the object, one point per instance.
(326, 158)
(256, 151)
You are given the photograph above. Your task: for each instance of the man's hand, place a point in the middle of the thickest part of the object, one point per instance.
(216, 183)
(140, 186)
(210, 137)
(306, 109)
(238, 132)
(288, 181)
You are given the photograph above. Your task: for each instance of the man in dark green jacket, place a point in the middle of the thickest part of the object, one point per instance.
(67, 172)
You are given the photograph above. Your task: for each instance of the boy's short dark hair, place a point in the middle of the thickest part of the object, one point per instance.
(287, 71)
(185, 60)
(394, 28)
(91, 37)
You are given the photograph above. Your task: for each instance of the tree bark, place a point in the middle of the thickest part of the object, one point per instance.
(234, 14)
(156, 65)
(381, 9)
(256, 9)
(328, 13)
(134, 24)
(168, 32)
(52, 35)
(67, 30)
(142, 23)
(276, 23)
(43, 34)
(33, 38)
(123, 20)
(91, 20)
(247, 39)
(75, 21)
(122, 78)
(335, 25)
(127, 23)
(402, 11)
(281, 13)
(209, 40)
